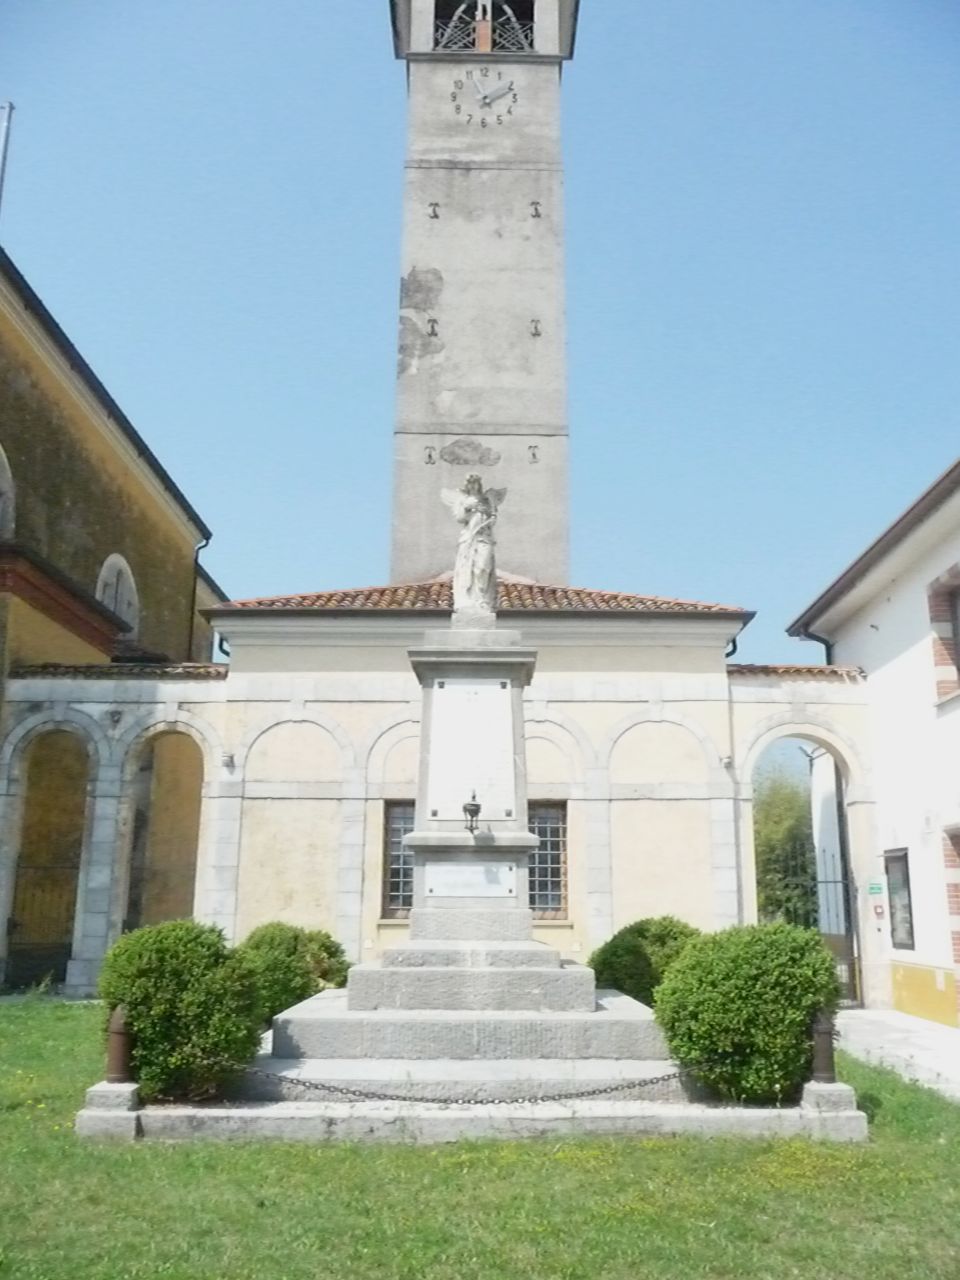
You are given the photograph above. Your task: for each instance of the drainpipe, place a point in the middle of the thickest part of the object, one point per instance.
(193, 598)
(807, 634)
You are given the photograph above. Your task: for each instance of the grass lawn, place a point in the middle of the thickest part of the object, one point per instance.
(586, 1210)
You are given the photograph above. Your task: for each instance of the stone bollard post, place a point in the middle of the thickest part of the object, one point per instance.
(836, 1104)
(119, 1048)
(824, 1062)
(111, 1108)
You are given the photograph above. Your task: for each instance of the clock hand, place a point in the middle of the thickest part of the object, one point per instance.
(500, 93)
(480, 94)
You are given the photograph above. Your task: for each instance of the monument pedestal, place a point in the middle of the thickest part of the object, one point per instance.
(470, 1010)
(470, 984)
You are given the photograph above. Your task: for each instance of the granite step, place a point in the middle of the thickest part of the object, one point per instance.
(444, 1080)
(570, 987)
(470, 955)
(324, 1027)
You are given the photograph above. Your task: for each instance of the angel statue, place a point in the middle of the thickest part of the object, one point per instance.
(475, 570)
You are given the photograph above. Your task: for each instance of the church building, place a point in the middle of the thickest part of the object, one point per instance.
(642, 734)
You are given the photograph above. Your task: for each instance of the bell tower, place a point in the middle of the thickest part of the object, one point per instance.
(481, 378)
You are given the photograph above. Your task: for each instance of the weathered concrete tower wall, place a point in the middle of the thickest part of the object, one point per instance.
(482, 369)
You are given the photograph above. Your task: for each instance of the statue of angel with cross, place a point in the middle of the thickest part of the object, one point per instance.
(475, 569)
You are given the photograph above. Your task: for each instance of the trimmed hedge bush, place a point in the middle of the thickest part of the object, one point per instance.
(636, 958)
(293, 963)
(738, 1008)
(328, 958)
(192, 1004)
(285, 973)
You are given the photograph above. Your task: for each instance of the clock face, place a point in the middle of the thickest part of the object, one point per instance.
(484, 97)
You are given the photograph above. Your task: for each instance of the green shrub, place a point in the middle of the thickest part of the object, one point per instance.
(192, 1004)
(328, 958)
(636, 958)
(738, 1008)
(283, 965)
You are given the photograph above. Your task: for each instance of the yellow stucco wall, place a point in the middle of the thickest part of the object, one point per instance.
(33, 638)
(925, 992)
(174, 824)
(51, 840)
(81, 494)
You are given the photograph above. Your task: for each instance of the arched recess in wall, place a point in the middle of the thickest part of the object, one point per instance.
(554, 763)
(166, 780)
(8, 500)
(49, 850)
(290, 827)
(393, 762)
(660, 824)
(117, 589)
(654, 752)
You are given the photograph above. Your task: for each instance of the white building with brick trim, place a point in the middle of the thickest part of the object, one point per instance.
(893, 613)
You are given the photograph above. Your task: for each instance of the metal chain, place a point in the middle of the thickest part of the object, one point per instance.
(365, 1095)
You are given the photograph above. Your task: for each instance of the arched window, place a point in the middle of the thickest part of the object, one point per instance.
(118, 591)
(7, 500)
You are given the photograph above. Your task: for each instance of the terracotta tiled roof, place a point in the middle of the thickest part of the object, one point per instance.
(512, 597)
(124, 671)
(789, 669)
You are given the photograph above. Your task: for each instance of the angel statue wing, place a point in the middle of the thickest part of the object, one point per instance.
(495, 497)
(455, 500)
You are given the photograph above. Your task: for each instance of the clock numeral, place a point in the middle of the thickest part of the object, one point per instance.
(499, 119)
(453, 97)
(485, 71)
(457, 109)
(484, 122)
(536, 329)
(535, 206)
(433, 328)
(430, 455)
(534, 451)
(434, 207)
(458, 84)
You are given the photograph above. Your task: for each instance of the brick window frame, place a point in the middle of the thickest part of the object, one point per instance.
(943, 605)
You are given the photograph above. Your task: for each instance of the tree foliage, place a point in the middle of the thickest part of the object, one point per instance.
(785, 852)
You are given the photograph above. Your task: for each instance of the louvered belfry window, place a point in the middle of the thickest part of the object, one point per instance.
(510, 25)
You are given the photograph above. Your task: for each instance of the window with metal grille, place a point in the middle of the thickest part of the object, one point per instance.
(397, 861)
(548, 863)
(901, 901)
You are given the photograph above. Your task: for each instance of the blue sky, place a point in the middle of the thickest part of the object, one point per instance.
(763, 273)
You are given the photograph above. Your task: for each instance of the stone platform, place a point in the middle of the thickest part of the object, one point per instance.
(417, 1122)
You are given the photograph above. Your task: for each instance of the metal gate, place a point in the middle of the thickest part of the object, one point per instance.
(40, 930)
(811, 889)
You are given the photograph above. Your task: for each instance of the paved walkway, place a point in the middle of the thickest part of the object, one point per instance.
(919, 1050)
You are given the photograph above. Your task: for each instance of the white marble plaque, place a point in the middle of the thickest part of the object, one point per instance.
(471, 748)
(470, 880)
